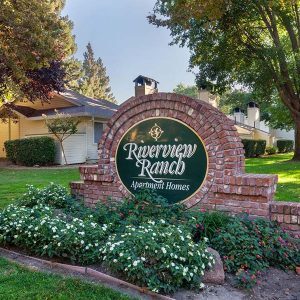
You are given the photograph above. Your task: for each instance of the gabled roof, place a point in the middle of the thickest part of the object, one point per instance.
(82, 106)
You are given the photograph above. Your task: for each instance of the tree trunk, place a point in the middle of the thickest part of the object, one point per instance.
(63, 151)
(297, 140)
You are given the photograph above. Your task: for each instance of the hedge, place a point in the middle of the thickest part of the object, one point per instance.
(285, 146)
(254, 147)
(31, 151)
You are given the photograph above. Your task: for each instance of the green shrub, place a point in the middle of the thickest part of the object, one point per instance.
(260, 147)
(206, 224)
(10, 149)
(271, 150)
(254, 148)
(40, 230)
(248, 246)
(285, 146)
(53, 195)
(31, 151)
(160, 256)
(144, 206)
(162, 253)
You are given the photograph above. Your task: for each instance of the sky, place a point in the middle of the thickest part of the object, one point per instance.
(128, 45)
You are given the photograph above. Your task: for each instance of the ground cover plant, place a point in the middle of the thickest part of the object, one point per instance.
(171, 249)
(164, 258)
(16, 283)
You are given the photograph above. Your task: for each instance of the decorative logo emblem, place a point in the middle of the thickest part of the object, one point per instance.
(156, 132)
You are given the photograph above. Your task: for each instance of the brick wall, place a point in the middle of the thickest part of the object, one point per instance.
(226, 188)
(287, 214)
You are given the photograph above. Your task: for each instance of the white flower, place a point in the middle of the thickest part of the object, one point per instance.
(164, 250)
(121, 254)
(115, 260)
(82, 242)
(202, 285)
(135, 263)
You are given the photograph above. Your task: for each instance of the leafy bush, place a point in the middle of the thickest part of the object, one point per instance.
(31, 151)
(161, 254)
(206, 224)
(157, 255)
(41, 231)
(10, 149)
(248, 246)
(144, 206)
(53, 195)
(271, 150)
(254, 147)
(285, 146)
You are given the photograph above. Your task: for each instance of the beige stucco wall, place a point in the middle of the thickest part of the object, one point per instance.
(38, 127)
(6, 134)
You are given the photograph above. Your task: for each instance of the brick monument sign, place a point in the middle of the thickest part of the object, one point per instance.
(186, 150)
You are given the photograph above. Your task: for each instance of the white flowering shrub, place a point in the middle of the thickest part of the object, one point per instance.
(53, 195)
(42, 232)
(160, 256)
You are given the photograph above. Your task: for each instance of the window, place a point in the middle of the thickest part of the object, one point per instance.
(98, 130)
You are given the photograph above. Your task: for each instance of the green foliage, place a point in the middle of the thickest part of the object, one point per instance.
(53, 195)
(206, 224)
(31, 151)
(44, 232)
(248, 246)
(163, 255)
(276, 114)
(10, 149)
(233, 99)
(187, 90)
(89, 78)
(251, 43)
(33, 36)
(254, 148)
(271, 150)
(165, 258)
(62, 126)
(285, 146)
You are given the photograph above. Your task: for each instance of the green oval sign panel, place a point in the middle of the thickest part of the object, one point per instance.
(164, 155)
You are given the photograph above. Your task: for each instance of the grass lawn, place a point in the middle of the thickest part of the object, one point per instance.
(17, 282)
(288, 188)
(13, 181)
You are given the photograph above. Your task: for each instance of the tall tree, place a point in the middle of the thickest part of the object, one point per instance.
(34, 40)
(94, 81)
(187, 90)
(252, 42)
